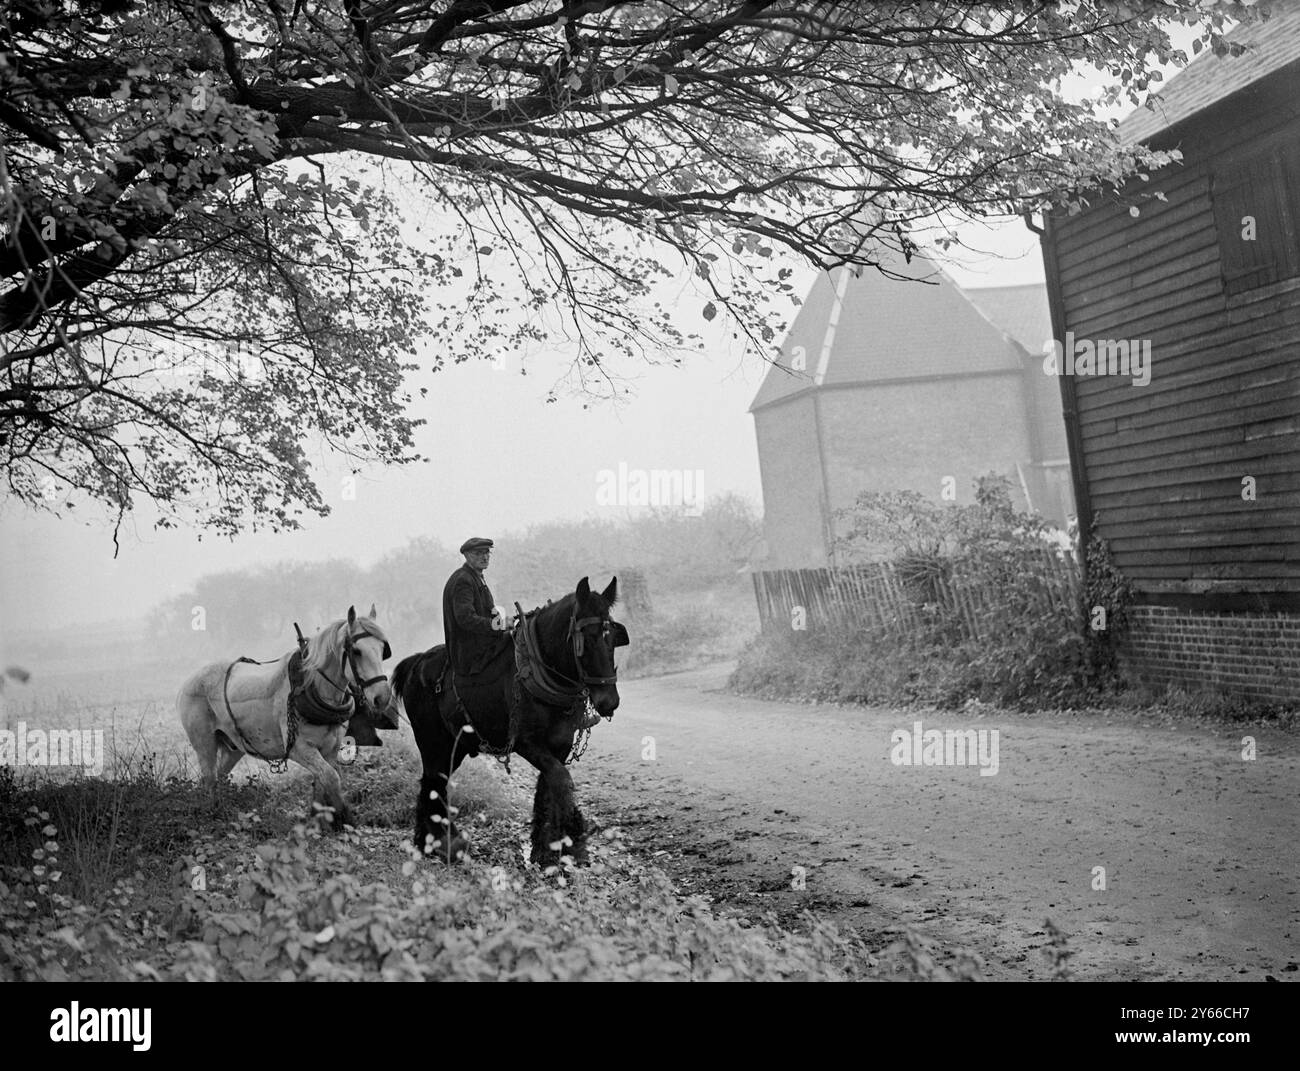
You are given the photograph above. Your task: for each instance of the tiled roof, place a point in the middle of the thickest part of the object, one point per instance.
(1272, 45)
(886, 329)
(1021, 311)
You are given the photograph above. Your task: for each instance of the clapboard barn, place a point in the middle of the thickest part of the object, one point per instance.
(1194, 478)
(886, 384)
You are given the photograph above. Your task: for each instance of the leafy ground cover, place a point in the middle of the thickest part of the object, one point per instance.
(140, 876)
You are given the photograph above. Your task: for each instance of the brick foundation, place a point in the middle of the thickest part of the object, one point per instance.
(1240, 653)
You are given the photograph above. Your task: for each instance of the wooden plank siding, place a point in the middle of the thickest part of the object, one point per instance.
(1161, 465)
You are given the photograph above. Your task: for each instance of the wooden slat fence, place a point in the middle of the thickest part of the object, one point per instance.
(875, 597)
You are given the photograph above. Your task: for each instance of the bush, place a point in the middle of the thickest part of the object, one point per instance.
(1028, 647)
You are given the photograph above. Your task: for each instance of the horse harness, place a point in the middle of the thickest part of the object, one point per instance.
(546, 685)
(304, 701)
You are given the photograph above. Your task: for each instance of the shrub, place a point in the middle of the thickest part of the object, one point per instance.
(990, 625)
(1106, 590)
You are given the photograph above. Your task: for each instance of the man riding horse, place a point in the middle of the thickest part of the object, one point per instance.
(502, 687)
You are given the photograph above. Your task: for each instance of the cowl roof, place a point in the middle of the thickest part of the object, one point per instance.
(868, 328)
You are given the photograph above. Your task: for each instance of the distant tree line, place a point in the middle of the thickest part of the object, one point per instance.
(251, 611)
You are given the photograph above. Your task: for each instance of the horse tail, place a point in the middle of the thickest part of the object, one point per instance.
(402, 673)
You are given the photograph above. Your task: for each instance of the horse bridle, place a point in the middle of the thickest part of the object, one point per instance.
(578, 639)
(356, 687)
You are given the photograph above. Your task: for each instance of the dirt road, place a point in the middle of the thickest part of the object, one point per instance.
(1198, 845)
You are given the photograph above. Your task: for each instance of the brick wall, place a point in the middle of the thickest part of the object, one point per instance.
(1246, 653)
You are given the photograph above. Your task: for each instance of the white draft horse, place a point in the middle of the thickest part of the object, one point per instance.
(233, 709)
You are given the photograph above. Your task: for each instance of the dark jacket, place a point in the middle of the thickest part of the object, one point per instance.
(467, 621)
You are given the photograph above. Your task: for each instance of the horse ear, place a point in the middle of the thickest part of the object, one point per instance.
(610, 594)
(374, 614)
(352, 615)
(584, 589)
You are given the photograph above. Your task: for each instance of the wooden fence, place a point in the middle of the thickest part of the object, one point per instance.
(875, 596)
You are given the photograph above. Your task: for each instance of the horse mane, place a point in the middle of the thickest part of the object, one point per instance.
(325, 649)
(564, 604)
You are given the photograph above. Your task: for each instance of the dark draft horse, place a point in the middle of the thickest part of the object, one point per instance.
(550, 673)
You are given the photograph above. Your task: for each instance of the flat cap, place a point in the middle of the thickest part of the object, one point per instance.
(477, 543)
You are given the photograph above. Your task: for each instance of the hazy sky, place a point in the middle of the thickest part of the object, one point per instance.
(502, 459)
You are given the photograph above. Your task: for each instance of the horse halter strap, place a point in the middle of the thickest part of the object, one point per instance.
(578, 639)
(349, 653)
(356, 686)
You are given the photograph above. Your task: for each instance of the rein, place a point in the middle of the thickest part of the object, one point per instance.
(544, 683)
(548, 685)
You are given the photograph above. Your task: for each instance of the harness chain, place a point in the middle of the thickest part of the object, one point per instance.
(580, 740)
(551, 687)
(279, 765)
(501, 754)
